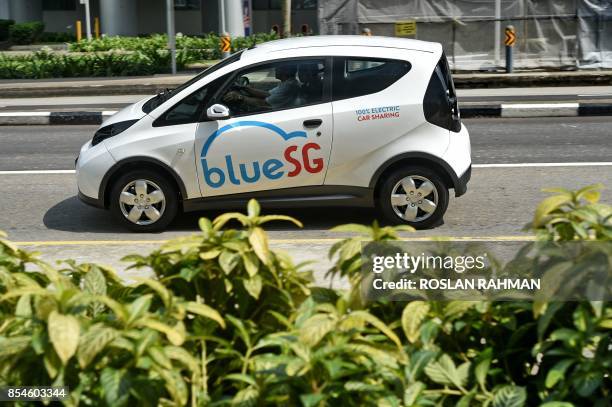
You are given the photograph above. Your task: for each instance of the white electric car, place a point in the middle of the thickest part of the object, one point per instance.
(324, 120)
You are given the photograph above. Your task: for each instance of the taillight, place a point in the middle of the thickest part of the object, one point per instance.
(440, 103)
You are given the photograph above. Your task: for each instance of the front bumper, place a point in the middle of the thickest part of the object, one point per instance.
(90, 201)
(462, 181)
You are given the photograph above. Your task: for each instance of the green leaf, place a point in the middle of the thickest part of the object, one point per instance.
(206, 226)
(412, 393)
(463, 372)
(175, 336)
(557, 372)
(115, 386)
(64, 332)
(138, 308)
(205, 311)
(175, 385)
(253, 286)
(585, 384)
(24, 307)
(228, 261)
(251, 263)
(240, 377)
(12, 346)
(158, 287)
(443, 371)
(253, 209)
(363, 230)
(94, 282)
(510, 396)
(181, 355)
(413, 315)
(159, 356)
(315, 328)
(312, 399)
(590, 193)
(246, 397)
(482, 368)
(210, 254)
(467, 400)
(93, 341)
(557, 404)
(547, 206)
(456, 309)
(270, 218)
(259, 241)
(378, 324)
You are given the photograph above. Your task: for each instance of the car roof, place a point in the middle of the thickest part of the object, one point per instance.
(341, 41)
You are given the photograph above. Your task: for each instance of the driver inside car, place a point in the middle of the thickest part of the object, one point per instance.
(282, 95)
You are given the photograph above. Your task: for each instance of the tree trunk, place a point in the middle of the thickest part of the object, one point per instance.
(286, 18)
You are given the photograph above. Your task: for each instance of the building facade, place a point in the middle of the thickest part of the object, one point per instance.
(141, 17)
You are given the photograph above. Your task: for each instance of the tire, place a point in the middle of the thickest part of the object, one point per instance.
(156, 214)
(418, 211)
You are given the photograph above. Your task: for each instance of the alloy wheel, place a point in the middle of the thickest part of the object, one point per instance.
(142, 202)
(414, 198)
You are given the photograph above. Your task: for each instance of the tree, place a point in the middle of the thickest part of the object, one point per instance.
(286, 18)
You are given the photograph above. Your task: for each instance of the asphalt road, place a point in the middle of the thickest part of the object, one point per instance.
(41, 211)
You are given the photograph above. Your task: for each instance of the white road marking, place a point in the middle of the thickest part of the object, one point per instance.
(509, 165)
(518, 165)
(24, 114)
(27, 172)
(539, 109)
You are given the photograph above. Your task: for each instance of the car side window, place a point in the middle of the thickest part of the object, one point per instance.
(191, 108)
(358, 76)
(276, 86)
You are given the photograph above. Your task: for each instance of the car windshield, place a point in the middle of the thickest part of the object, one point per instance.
(161, 97)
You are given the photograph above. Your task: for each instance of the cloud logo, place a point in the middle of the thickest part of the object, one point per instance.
(250, 123)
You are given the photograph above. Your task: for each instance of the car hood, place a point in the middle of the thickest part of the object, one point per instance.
(131, 112)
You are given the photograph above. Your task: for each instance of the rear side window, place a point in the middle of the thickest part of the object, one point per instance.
(357, 76)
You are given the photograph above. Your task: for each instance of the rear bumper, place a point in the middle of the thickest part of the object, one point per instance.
(462, 181)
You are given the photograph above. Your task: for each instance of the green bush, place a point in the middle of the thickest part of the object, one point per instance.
(117, 56)
(26, 33)
(4, 29)
(189, 48)
(56, 37)
(45, 64)
(227, 321)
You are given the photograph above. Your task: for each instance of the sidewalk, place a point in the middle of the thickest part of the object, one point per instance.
(153, 84)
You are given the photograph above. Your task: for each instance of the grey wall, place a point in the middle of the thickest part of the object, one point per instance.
(26, 10)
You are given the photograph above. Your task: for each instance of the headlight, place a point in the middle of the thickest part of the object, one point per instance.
(111, 130)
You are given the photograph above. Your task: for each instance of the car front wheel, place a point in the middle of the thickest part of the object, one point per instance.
(144, 201)
(415, 196)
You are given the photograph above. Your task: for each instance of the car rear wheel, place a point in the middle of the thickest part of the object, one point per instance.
(144, 201)
(415, 196)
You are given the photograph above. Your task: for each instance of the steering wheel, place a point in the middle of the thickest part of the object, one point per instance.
(240, 84)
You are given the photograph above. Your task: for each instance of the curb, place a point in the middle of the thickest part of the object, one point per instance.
(536, 110)
(53, 118)
(469, 111)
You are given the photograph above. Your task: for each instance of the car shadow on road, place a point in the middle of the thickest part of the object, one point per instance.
(71, 215)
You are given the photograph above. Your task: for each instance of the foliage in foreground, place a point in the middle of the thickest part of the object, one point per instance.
(227, 321)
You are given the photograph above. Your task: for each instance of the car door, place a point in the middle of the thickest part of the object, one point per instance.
(278, 135)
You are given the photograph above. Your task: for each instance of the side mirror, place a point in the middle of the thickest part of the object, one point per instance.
(218, 112)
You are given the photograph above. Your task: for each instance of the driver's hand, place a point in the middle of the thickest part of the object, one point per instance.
(231, 97)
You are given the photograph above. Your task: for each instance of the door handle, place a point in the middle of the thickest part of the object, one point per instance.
(313, 123)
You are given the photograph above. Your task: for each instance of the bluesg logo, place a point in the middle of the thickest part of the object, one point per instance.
(294, 159)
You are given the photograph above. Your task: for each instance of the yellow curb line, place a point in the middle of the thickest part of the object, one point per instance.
(278, 241)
